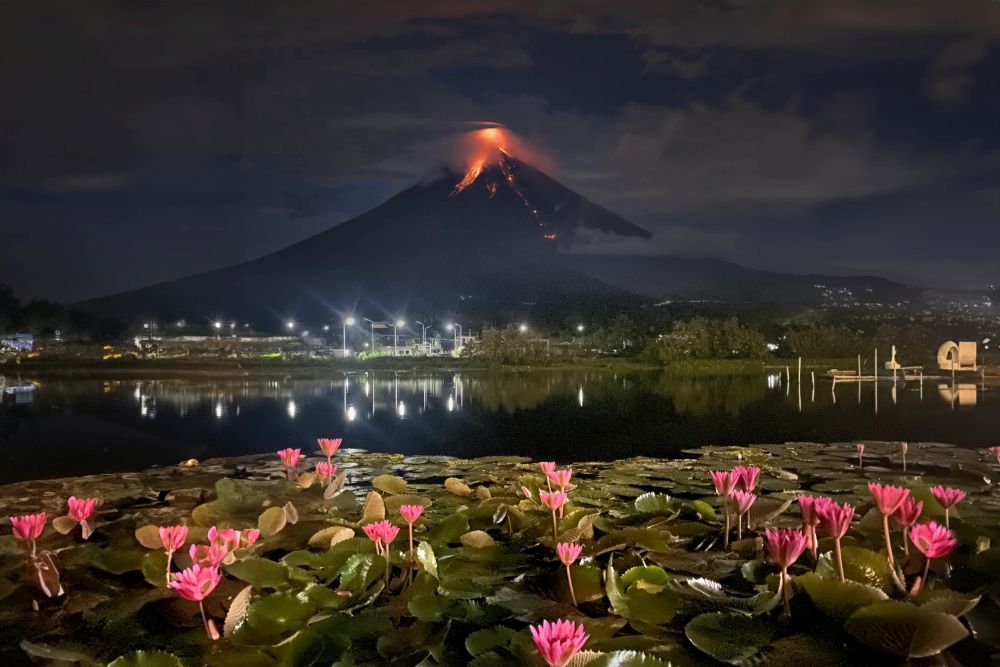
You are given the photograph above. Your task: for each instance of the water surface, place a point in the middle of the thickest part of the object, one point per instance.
(80, 426)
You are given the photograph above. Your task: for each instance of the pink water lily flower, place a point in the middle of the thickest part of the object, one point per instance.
(172, 538)
(325, 472)
(784, 547)
(81, 509)
(561, 477)
(568, 553)
(995, 451)
(329, 447)
(387, 532)
(835, 520)
(547, 467)
(907, 515)
(28, 528)
(554, 501)
(249, 537)
(934, 541)
(861, 455)
(207, 555)
(374, 534)
(290, 459)
(947, 497)
(410, 514)
(746, 477)
(742, 502)
(888, 499)
(725, 483)
(195, 584)
(558, 642)
(809, 519)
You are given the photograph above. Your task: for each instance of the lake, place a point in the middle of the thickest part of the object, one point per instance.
(81, 426)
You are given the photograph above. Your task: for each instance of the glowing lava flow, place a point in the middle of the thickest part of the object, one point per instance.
(486, 142)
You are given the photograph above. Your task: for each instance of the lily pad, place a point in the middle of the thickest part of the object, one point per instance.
(730, 638)
(837, 599)
(905, 630)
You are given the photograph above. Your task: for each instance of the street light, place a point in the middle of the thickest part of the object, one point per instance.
(349, 322)
(458, 334)
(290, 324)
(373, 332)
(423, 336)
(523, 328)
(579, 328)
(395, 336)
(218, 329)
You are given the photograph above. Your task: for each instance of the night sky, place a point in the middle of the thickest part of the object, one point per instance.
(142, 141)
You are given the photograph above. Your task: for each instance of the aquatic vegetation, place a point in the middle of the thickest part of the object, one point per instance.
(329, 447)
(947, 498)
(888, 499)
(861, 454)
(637, 570)
(290, 459)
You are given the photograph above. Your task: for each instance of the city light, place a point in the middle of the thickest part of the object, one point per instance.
(579, 327)
(523, 328)
(400, 323)
(217, 325)
(349, 321)
(290, 324)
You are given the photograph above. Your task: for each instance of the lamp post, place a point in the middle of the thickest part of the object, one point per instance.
(395, 336)
(458, 334)
(523, 328)
(218, 329)
(423, 336)
(290, 324)
(373, 332)
(347, 322)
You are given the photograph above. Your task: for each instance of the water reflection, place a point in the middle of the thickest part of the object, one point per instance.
(132, 423)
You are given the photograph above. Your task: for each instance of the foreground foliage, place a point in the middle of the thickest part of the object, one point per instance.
(331, 577)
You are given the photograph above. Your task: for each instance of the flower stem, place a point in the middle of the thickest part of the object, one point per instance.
(413, 559)
(170, 556)
(947, 522)
(784, 591)
(204, 619)
(725, 536)
(569, 580)
(888, 542)
(555, 527)
(927, 570)
(839, 557)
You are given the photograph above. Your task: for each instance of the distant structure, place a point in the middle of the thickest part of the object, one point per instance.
(18, 341)
(959, 356)
(892, 364)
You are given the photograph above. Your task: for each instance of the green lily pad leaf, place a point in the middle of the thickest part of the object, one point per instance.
(861, 565)
(705, 511)
(587, 583)
(482, 641)
(154, 568)
(478, 539)
(946, 601)
(359, 571)
(449, 530)
(730, 638)
(272, 521)
(147, 659)
(390, 484)
(837, 599)
(650, 573)
(654, 503)
(279, 614)
(237, 612)
(652, 607)
(235, 495)
(259, 572)
(615, 591)
(426, 558)
(59, 653)
(710, 594)
(905, 630)
(425, 604)
(119, 560)
(766, 509)
(802, 649)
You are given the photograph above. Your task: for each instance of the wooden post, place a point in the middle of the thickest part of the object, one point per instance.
(859, 368)
(800, 370)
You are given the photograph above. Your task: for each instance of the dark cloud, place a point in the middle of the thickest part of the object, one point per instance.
(142, 141)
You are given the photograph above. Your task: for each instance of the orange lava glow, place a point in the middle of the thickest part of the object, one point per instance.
(484, 144)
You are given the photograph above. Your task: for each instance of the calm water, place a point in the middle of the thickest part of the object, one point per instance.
(83, 426)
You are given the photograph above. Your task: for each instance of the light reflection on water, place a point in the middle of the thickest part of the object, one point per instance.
(93, 425)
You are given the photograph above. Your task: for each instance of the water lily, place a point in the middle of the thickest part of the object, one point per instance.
(835, 520)
(547, 467)
(29, 527)
(995, 451)
(554, 501)
(249, 537)
(325, 472)
(903, 447)
(746, 477)
(568, 553)
(82, 510)
(558, 642)
(742, 501)
(907, 515)
(861, 454)
(410, 514)
(784, 547)
(173, 538)
(290, 459)
(329, 447)
(724, 483)
(227, 540)
(947, 497)
(560, 478)
(809, 518)
(386, 534)
(888, 499)
(932, 540)
(374, 533)
(195, 584)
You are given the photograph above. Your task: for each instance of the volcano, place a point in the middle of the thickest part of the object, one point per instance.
(484, 242)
